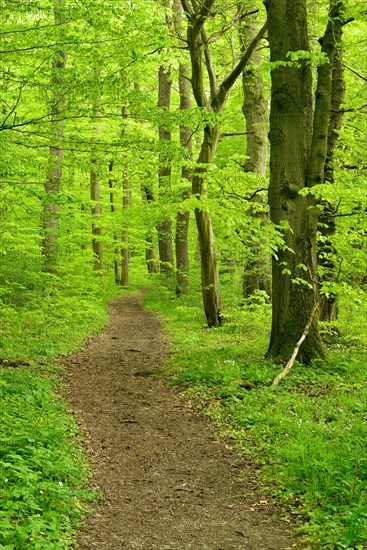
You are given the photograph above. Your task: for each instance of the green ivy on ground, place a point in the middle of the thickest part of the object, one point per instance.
(309, 434)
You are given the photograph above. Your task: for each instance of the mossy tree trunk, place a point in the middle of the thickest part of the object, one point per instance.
(327, 227)
(256, 274)
(298, 138)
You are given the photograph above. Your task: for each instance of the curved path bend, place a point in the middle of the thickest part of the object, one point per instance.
(169, 483)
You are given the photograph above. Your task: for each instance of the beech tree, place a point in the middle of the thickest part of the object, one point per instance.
(200, 55)
(298, 138)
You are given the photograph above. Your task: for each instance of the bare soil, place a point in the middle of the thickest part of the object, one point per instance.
(169, 483)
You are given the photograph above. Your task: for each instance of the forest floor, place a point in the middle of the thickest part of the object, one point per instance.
(168, 481)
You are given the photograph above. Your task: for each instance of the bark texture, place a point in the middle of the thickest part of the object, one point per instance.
(164, 227)
(50, 220)
(125, 249)
(150, 256)
(295, 291)
(183, 218)
(256, 275)
(327, 227)
(201, 63)
(95, 192)
(111, 186)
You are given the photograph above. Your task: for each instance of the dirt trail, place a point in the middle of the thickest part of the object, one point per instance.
(169, 483)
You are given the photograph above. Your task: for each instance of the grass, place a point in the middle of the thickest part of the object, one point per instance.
(309, 434)
(43, 470)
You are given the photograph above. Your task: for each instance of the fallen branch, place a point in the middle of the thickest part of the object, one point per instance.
(291, 361)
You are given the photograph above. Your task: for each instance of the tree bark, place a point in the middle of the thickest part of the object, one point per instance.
(95, 190)
(164, 227)
(149, 244)
(327, 227)
(125, 250)
(295, 291)
(208, 253)
(115, 235)
(126, 200)
(183, 218)
(198, 44)
(256, 274)
(50, 219)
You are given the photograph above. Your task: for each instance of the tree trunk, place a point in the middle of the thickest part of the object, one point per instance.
(95, 190)
(327, 227)
(125, 250)
(50, 220)
(295, 287)
(208, 253)
(200, 55)
(183, 218)
(149, 244)
(164, 227)
(256, 275)
(115, 236)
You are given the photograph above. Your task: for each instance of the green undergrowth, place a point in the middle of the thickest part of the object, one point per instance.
(309, 434)
(43, 470)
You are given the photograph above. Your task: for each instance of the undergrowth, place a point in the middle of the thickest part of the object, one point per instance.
(43, 470)
(309, 434)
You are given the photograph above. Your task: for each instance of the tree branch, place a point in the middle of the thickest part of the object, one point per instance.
(227, 84)
(291, 361)
(235, 18)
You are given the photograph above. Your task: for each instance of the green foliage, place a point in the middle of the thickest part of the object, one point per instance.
(43, 471)
(308, 434)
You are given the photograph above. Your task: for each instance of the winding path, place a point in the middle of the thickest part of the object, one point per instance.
(168, 482)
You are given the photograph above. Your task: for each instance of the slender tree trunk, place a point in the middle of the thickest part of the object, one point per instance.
(164, 227)
(208, 253)
(199, 47)
(115, 235)
(256, 275)
(125, 250)
(149, 243)
(295, 287)
(50, 219)
(95, 191)
(183, 218)
(327, 227)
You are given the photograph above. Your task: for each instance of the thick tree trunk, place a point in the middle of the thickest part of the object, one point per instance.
(164, 228)
(50, 219)
(183, 218)
(295, 287)
(256, 275)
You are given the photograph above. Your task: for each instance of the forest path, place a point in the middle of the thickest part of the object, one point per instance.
(169, 483)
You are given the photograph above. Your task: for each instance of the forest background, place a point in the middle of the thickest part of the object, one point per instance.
(127, 131)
